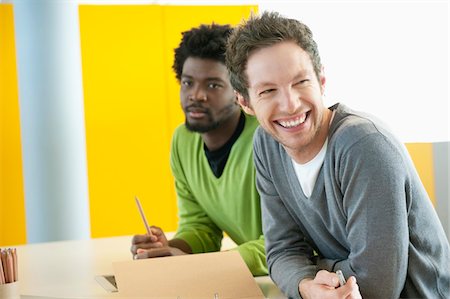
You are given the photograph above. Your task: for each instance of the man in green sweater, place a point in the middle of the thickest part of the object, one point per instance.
(211, 159)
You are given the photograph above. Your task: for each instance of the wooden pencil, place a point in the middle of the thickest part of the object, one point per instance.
(138, 203)
(2, 273)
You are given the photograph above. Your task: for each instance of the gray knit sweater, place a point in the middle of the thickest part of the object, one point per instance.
(368, 215)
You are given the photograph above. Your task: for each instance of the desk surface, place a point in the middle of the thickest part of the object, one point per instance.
(67, 269)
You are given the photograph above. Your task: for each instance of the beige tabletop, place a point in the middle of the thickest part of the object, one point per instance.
(67, 269)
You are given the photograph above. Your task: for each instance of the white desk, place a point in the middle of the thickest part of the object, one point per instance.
(67, 269)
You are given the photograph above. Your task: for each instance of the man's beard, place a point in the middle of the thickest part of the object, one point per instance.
(202, 128)
(226, 114)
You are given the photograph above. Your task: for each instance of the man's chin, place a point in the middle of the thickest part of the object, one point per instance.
(198, 128)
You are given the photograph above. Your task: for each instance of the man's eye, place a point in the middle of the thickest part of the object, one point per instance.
(186, 83)
(267, 91)
(214, 85)
(301, 82)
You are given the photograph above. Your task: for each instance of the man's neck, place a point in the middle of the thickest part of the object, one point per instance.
(216, 138)
(307, 154)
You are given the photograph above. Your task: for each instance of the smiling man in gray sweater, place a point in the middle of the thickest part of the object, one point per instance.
(338, 190)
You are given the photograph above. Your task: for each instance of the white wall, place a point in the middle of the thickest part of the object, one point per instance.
(389, 58)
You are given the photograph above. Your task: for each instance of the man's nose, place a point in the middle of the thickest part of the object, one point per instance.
(290, 101)
(198, 94)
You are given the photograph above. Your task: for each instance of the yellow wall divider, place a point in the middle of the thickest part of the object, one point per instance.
(422, 156)
(12, 208)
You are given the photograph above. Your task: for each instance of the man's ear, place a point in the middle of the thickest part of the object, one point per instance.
(322, 79)
(245, 104)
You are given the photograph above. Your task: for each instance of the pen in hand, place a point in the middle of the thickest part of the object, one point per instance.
(149, 232)
(341, 278)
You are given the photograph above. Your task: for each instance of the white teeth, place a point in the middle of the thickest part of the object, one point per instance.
(294, 122)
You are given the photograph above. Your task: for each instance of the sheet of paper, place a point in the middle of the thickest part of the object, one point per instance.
(193, 276)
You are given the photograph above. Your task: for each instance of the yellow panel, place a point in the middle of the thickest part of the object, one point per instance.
(132, 107)
(12, 210)
(126, 118)
(422, 156)
(176, 22)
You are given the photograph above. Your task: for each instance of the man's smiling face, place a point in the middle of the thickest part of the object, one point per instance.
(286, 96)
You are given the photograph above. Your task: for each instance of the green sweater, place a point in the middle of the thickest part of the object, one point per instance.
(209, 206)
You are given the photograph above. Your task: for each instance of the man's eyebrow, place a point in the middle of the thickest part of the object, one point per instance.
(299, 75)
(207, 78)
(303, 73)
(215, 79)
(263, 85)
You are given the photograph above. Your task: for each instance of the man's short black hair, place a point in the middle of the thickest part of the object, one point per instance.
(205, 41)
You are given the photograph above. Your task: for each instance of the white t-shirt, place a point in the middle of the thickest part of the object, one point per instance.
(307, 173)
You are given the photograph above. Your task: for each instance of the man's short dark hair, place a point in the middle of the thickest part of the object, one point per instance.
(205, 41)
(263, 31)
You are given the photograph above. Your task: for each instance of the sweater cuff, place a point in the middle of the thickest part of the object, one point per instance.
(326, 264)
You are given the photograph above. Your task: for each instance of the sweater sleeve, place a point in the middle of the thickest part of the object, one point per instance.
(289, 256)
(254, 256)
(195, 227)
(374, 184)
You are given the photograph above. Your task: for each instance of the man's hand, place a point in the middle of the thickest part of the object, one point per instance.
(146, 242)
(146, 246)
(326, 285)
(157, 252)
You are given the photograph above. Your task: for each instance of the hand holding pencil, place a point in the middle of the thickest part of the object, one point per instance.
(152, 244)
(155, 239)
